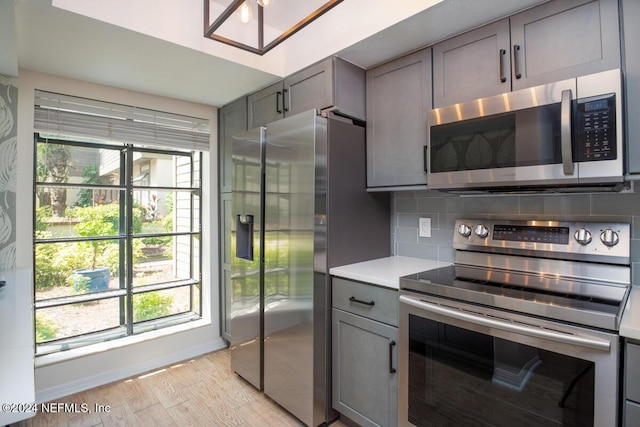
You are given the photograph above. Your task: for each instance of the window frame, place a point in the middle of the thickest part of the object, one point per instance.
(127, 326)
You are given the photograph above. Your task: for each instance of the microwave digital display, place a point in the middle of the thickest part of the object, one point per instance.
(596, 105)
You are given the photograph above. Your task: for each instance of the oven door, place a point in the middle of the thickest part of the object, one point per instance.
(462, 364)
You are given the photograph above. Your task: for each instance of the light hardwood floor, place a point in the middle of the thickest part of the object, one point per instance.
(198, 392)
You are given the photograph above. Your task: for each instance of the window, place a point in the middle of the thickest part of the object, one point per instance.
(117, 226)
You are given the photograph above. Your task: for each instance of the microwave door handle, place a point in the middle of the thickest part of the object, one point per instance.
(565, 133)
(493, 322)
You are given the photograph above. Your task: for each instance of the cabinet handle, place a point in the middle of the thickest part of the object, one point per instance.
(392, 370)
(503, 78)
(285, 96)
(354, 299)
(516, 66)
(278, 95)
(425, 155)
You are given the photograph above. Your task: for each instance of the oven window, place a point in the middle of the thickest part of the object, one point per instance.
(528, 137)
(459, 377)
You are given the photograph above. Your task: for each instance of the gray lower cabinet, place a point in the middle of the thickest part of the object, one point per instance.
(632, 385)
(364, 362)
(557, 40)
(398, 100)
(332, 82)
(631, 34)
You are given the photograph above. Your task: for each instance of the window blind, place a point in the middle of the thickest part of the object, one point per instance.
(68, 116)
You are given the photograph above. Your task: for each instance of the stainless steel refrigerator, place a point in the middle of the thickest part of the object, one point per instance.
(299, 206)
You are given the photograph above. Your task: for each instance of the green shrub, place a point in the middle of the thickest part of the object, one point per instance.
(54, 262)
(102, 220)
(45, 329)
(43, 213)
(151, 305)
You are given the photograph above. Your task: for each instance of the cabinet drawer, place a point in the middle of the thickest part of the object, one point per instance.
(632, 372)
(370, 301)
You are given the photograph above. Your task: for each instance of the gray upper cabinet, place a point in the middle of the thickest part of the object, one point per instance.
(564, 39)
(265, 106)
(631, 32)
(473, 65)
(551, 42)
(398, 99)
(331, 83)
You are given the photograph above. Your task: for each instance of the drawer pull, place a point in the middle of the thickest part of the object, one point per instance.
(354, 299)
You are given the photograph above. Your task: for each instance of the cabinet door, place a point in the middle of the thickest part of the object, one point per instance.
(265, 106)
(564, 39)
(398, 100)
(365, 383)
(232, 120)
(472, 65)
(631, 414)
(631, 26)
(309, 88)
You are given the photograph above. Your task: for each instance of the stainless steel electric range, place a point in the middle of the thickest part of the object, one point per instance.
(520, 330)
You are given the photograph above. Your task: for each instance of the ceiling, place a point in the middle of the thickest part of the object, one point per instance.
(120, 43)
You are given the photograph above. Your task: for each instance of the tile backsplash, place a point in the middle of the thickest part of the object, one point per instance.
(445, 208)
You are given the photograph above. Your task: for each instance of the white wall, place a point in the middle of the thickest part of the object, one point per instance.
(71, 371)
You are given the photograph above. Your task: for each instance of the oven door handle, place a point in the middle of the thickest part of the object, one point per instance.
(506, 326)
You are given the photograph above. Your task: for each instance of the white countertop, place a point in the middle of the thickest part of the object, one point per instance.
(630, 322)
(385, 271)
(16, 346)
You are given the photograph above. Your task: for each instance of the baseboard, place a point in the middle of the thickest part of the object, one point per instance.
(57, 392)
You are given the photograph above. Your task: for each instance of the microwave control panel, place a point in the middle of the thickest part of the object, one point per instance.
(595, 129)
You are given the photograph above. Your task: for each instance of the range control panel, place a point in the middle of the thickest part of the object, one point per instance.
(527, 233)
(595, 135)
(563, 239)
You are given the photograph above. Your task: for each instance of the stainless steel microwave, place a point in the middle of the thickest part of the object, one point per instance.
(564, 134)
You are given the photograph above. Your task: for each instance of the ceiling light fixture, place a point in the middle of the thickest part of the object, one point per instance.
(261, 25)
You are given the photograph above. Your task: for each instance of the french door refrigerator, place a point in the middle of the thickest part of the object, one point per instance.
(299, 206)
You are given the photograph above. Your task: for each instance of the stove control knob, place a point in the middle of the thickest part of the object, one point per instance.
(481, 231)
(609, 237)
(582, 236)
(464, 230)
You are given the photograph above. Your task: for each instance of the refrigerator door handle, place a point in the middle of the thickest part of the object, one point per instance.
(244, 237)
